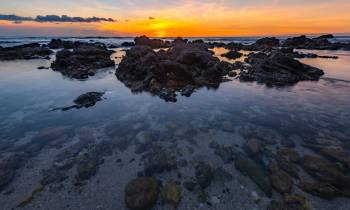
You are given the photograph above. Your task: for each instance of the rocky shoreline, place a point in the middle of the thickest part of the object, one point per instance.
(273, 164)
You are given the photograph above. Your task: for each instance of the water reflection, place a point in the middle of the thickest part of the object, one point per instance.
(92, 153)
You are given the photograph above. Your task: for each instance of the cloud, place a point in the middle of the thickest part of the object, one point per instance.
(55, 18)
(152, 18)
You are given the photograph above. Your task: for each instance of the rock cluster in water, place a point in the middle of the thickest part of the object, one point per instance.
(83, 61)
(27, 51)
(183, 67)
(276, 68)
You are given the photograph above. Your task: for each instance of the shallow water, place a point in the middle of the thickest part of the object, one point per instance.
(298, 113)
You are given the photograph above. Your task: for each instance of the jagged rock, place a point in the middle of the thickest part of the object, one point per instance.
(326, 36)
(180, 40)
(82, 61)
(268, 41)
(141, 193)
(128, 44)
(280, 180)
(254, 171)
(58, 44)
(297, 202)
(278, 69)
(320, 189)
(27, 51)
(153, 43)
(164, 72)
(171, 193)
(232, 54)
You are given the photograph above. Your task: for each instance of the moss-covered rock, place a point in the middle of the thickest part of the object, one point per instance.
(171, 193)
(141, 193)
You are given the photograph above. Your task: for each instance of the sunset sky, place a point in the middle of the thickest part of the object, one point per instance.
(178, 18)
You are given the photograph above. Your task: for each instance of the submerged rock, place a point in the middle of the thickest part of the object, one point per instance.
(8, 167)
(254, 171)
(204, 174)
(141, 193)
(27, 51)
(158, 160)
(320, 189)
(278, 69)
(225, 152)
(281, 181)
(82, 61)
(326, 171)
(171, 193)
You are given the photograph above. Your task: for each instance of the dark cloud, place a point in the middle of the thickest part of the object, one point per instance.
(152, 18)
(55, 18)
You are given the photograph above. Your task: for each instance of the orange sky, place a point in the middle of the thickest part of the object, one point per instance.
(194, 18)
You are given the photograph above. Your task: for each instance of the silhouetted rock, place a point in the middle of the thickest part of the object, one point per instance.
(153, 43)
(83, 61)
(27, 51)
(58, 44)
(128, 44)
(278, 69)
(232, 54)
(326, 36)
(268, 41)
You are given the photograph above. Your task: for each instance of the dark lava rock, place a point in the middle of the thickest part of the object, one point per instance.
(153, 43)
(326, 36)
(85, 100)
(88, 99)
(180, 40)
(326, 171)
(27, 51)
(232, 54)
(164, 72)
(82, 61)
(297, 41)
(128, 44)
(141, 193)
(278, 69)
(8, 167)
(204, 174)
(281, 181)
(158, 160)
(320, 189)
(254, 171)
(268, 41)
(58, 44)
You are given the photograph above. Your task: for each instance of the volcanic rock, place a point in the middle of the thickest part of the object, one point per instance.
(27, 51)
(278, 69)
(82, 61)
